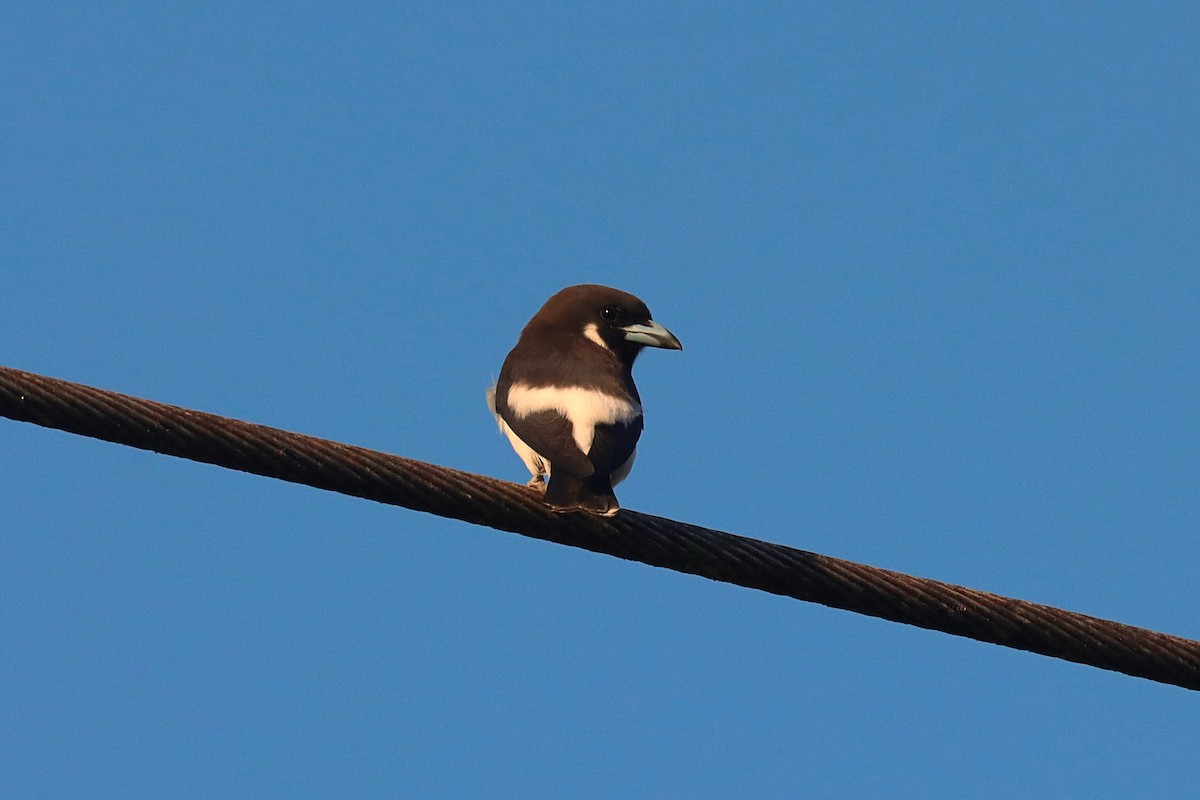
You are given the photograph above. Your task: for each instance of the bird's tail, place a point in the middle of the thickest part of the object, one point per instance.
(594, 494)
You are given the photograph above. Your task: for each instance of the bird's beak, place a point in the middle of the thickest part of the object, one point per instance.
(651, 334)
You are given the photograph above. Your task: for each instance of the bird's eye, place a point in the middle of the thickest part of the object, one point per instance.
(610, 313)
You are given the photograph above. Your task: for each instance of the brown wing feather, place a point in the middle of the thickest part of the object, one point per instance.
(551, 436)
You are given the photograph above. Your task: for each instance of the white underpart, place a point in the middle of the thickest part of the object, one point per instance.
(585, 408)
(592, 332)
(536, 464)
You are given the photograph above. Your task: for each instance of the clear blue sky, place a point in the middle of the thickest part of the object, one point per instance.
(935, 267)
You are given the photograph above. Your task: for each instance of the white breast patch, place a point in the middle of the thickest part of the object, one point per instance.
(586, 408)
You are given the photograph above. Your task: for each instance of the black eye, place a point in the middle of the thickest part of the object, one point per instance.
(610, 313)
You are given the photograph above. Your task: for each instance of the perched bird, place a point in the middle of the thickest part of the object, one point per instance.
(566, 400)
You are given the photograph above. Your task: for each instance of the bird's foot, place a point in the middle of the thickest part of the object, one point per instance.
(601, 510)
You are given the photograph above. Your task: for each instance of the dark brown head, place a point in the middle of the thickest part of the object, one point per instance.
(612, 319)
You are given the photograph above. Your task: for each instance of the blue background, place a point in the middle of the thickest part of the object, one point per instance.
(935, 269)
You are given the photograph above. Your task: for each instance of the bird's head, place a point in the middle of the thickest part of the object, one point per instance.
(614, 320)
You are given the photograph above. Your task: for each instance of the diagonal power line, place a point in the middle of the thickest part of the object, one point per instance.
(630, 535)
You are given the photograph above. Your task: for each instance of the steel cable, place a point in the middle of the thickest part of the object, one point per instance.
(630, 535)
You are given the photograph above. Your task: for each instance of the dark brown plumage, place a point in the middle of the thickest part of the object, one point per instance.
(566, 397)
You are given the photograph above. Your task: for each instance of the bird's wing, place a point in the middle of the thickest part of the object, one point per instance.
(551, 436)
(612, 445)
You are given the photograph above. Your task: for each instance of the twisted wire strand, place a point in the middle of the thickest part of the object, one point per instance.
(630, 535)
